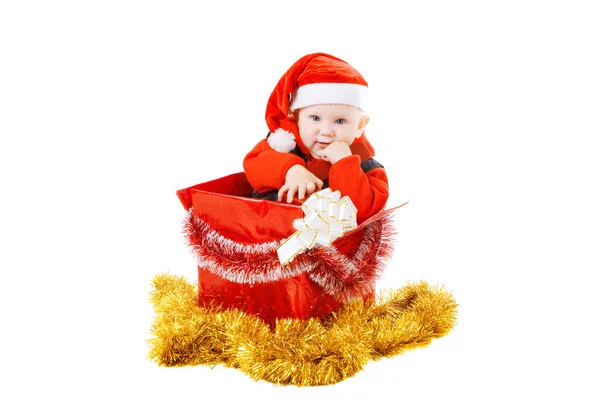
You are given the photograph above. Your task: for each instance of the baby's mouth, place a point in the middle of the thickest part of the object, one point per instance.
(322, 145)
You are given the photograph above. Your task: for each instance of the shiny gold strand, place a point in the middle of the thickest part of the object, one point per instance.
(301, 353)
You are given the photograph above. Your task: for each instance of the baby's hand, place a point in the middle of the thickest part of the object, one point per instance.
(335, 152)
(299, 180)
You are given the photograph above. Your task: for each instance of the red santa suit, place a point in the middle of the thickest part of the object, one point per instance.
(358, 176)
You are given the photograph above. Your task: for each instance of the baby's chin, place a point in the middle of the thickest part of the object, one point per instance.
(316, 154)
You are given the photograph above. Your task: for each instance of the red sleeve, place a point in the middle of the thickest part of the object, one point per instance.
(368, 191)
(265, 168)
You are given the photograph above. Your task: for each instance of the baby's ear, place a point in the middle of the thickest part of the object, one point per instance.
(362, 123)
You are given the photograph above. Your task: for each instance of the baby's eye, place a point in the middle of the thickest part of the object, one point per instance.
(315, 118)
(340, 121)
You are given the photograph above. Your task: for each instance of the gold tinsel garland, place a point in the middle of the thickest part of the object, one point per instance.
(310, 352)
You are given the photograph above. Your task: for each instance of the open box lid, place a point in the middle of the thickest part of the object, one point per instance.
(225, 204)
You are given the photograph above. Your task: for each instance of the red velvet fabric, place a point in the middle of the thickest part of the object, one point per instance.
(223, 204)
(298, 297)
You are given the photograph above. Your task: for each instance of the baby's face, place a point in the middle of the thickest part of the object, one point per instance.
(323, 124)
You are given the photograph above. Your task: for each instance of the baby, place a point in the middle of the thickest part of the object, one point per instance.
(316, 119)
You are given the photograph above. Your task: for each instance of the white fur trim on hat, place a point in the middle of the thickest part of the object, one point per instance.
(330, 93)
(282, 141)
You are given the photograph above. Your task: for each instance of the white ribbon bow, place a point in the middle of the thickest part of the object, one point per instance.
(327, 218)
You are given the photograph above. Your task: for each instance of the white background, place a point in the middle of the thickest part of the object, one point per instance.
(485, 115)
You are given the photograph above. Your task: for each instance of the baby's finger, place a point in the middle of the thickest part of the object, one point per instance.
(290, 195)
(302, 190)
(310, 187)
(281, 192)
(319, 183)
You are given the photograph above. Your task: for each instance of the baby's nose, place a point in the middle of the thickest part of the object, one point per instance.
(327, 130)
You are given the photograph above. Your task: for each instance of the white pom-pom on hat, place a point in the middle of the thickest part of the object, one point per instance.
(282, 141)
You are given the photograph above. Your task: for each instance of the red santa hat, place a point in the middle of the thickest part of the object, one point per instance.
(316, 78)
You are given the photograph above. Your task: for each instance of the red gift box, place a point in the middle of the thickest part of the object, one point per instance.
(235, 239)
